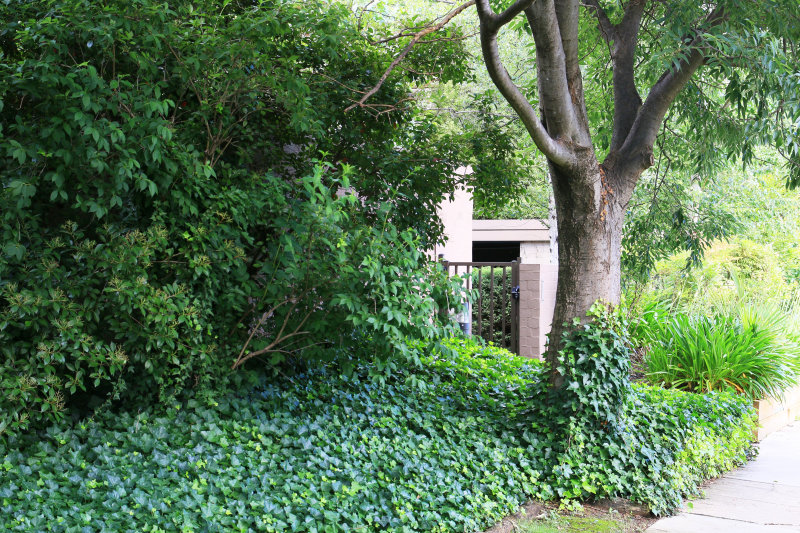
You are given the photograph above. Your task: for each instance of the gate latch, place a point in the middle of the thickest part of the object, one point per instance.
(515, 292)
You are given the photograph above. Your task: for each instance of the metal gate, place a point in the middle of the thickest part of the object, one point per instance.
(495, 312)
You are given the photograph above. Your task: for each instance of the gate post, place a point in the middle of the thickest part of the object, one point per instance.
(537, 284)
(515, 297)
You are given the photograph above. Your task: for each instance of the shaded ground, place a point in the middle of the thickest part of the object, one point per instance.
(605, 517)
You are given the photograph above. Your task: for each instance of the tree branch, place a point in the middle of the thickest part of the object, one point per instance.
(419, 35)
(496, 21)
(637, 150)
(553, 150)
(567, 13)
(627, 101)
(558, 102)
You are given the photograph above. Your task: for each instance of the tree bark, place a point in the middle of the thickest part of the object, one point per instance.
(590, 211)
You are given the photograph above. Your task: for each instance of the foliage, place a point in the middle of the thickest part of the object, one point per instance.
(682, 216)
(737, 271)
(767, 194)
(679, 213)
(320, 451)
(681, 439)
(161, 199)
(323, 452)
(495, 303)
(510, 180)
(749, 351)
(607, 438)
(326, 272)
(469, 367)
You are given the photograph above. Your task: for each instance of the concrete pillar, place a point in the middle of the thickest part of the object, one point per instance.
(537, 299)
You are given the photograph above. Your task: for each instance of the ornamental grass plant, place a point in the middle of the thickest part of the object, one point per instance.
(752, 349)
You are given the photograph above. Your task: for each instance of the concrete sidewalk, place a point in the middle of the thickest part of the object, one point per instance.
(761, 497)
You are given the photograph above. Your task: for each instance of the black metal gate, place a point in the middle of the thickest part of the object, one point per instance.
(495, 311)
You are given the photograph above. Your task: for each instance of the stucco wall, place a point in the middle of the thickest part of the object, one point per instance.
(535, 252)
(456, 215)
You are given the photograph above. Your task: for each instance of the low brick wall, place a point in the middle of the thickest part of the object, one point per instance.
(776, 414)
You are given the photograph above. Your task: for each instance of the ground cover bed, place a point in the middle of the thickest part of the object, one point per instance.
(452, 446)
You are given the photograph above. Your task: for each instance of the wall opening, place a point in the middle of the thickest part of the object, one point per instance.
(495, 252)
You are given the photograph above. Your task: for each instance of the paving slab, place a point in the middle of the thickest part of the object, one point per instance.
(693, 523)
(778, 460)
(761, 497)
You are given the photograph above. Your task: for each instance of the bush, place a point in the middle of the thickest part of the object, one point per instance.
(171, 306)
(161, 201)
(739, 271)
(748, 351)
(447, 447)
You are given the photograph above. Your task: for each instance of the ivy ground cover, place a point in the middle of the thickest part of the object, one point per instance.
(450, 447)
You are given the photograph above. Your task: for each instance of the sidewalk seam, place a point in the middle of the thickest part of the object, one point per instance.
(740, 520)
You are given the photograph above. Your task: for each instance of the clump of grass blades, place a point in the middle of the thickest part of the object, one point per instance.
(752, 350)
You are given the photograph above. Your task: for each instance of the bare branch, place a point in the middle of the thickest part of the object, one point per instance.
(419, 35)
(406, 32)
(260, 323)
(279, 337)
(555, 151)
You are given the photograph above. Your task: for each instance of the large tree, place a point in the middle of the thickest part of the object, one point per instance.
(738, 57)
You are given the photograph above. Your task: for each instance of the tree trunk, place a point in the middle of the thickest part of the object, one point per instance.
(590, 215)
(590, 198)
(552, 226)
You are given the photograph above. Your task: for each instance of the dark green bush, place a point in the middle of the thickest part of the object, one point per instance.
(175, 303)
(446, 447)
(160, 198)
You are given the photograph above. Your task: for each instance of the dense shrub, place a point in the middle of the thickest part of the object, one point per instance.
(160, 198)
(173, 303)
(451, 446)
